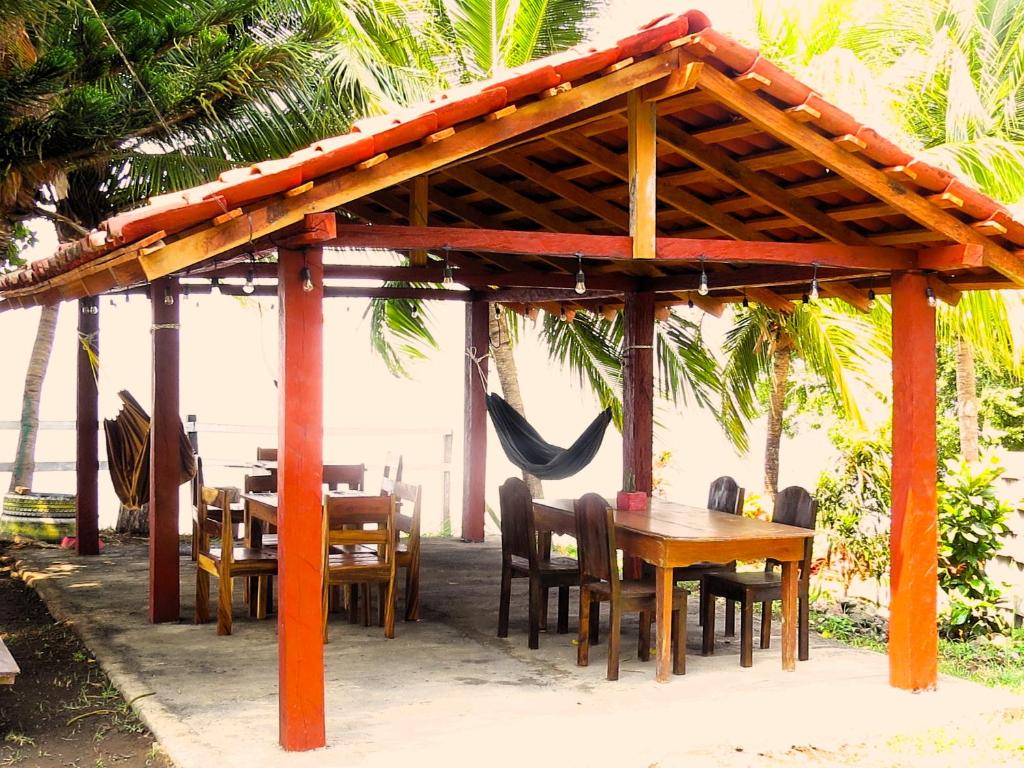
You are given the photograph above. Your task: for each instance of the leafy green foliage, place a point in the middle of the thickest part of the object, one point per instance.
(854, 501)
(972, 522)
(1000, 405)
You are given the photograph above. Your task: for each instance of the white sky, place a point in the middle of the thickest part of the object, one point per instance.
(229, 361)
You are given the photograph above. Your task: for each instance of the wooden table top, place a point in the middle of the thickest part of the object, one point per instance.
(671, 520)
(268, 499)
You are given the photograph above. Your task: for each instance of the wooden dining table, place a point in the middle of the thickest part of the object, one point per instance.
(262, 508)
(668, 535)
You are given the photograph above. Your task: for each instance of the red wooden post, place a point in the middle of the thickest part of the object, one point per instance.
(638, 389)
(913, 637)
(300, 504)
(87, 528)
(475, 441)
(164, 455)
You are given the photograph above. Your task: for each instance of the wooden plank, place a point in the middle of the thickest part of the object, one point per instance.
(341, 188)
(944, 291)
(475, 445)
(299, 470)
(848, 292)
(771, 299)
(683, 80)
(638, 389)
(913, 641)
(419, 210)
(642, 171)
(949, 257)
(164, 456)
(795, 254)
(721, 164)
(87, 461)
(856, 169)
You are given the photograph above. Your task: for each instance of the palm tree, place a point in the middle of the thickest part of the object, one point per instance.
(103, 105)
(837, 346)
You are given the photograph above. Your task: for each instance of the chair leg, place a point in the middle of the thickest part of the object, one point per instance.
(730, 618)
(412, 591)
(583, 633)
(261, 597)
(679, 638)
(382, 595)
(195, 541)
(364, 596)
(803, 620)
(388, 595)
(223, 604)
(337, 600)
(595, 624)
(544, 593)
(614, 638)
(353, 603)
(536, 595)
(563, 610)
(766, 625)
(504, 600)
(700, 608)
(202, 611)
(643, 650)
(324, 604)
(708, 641)
(747, 633)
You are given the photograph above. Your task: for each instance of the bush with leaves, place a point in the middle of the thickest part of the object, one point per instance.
(972, 523)
(854, 503)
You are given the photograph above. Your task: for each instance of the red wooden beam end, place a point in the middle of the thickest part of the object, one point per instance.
(944, 258)
(913, 638)
(164, 455)
(300, 469)
(87, 535)
(475, 440)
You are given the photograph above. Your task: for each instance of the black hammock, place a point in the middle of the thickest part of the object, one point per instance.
(527, 449)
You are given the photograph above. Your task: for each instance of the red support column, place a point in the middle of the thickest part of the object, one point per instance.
(638, 389)
(913, 637)
(164, 455)
(87, 529)
(300, 504)
(475, 441)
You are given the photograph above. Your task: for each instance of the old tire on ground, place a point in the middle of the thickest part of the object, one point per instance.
(41, 516)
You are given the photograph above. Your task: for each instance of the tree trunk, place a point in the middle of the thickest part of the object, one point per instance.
(780, 378)
(967, 400)
(25, 457)
(505, 363)
(133, 521)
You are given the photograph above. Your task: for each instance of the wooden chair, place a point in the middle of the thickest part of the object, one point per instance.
(351, 475)
(225, 561)
(793, 506)
(521, 557)
(724, 495)
(600, 582)
(357, 555)
(212, 511)
(408, 547)
(392, 472)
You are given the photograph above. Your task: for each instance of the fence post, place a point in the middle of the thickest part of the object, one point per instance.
(446, 477)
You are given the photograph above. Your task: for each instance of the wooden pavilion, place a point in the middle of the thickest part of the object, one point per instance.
(673, 166)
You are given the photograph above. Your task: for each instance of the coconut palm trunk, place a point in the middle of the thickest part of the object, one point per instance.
(508, 375)
(781, 358)
(25, 455)
(967, 399)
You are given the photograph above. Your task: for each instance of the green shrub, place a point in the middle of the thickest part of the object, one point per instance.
(972, 522)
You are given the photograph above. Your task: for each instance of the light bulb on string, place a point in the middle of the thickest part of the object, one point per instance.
(930, 293)
(703, 289)
(581, 280)
(449, 276)
(307, 279)
(414, 312)
(249, 286)
(168, 297)
(872, 303)
(746, 301)
(813, 293)
(215, 286)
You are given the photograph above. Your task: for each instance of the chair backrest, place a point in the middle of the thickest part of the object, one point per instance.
(725, 495)
(795, 506)
(595, 540)
(260, 484)
(518, 533)
(266, 454)
(392, 473)
(214, 527)
(404, 521)
(346, 518)
(351, 475)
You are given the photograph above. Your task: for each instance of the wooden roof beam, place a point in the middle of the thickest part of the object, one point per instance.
(855, 168)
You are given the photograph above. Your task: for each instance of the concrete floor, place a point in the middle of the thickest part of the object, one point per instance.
(447, 691)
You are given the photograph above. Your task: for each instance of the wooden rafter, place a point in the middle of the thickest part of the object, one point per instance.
(642, 174)
(419, 211)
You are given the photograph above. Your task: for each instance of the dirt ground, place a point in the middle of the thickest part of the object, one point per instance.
(62, 711)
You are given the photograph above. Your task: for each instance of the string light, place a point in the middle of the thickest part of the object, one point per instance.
(813, 294)
(215, 286)
(497, 310)
(249, 286)
(746, 301)
(449, 277)
(185, 290)
(414, 312)
(805, 298)
(872, 303)
(562, 315)
(689, 301)
(581, 281)
(168, 297)
(930, 293)
(307, 279)
(703, 289)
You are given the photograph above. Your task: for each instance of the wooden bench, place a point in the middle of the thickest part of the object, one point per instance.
(8, 667)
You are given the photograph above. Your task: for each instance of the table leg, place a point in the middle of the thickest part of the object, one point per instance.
(664, 623)
(789, 615)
